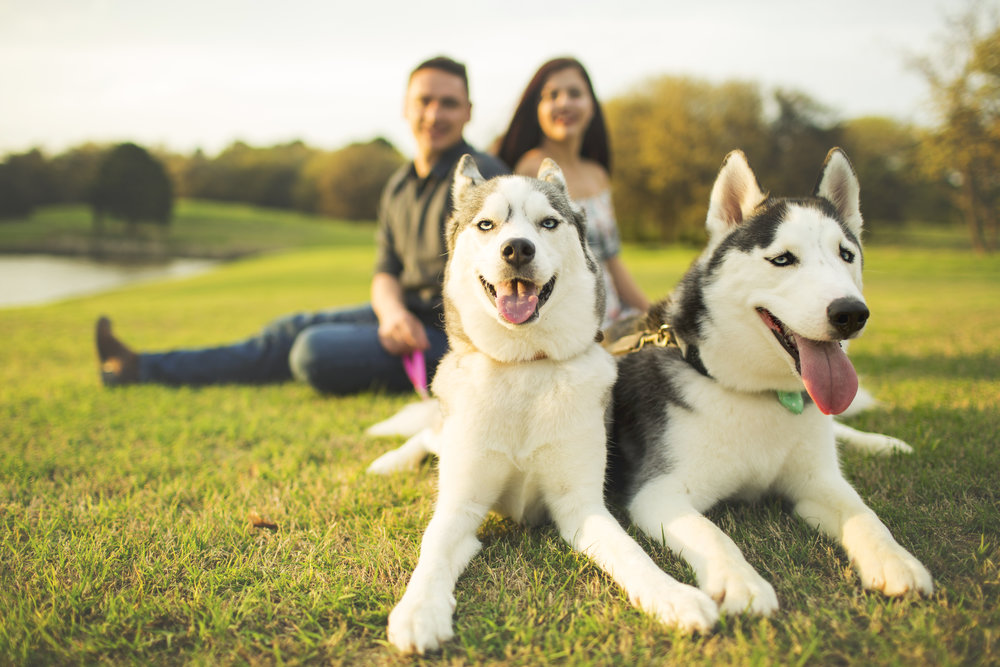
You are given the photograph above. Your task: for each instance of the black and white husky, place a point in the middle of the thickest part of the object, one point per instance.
(523, 393)
(741, 406)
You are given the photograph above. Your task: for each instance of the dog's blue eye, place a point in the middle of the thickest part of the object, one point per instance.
(784, 259)
(485, 225)
(549, 223)
(847, 255)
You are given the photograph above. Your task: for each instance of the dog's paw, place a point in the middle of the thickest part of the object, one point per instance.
(419, 625)
(739, 589)
(892, 570)
(679, 606)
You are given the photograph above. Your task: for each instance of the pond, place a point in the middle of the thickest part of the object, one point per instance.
(40, 279)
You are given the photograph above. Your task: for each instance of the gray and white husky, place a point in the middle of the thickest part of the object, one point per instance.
(523, 393)
(742, 405)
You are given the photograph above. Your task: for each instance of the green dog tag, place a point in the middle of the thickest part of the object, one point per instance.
(792, 400)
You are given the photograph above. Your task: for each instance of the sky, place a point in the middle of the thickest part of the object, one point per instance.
(191, 74)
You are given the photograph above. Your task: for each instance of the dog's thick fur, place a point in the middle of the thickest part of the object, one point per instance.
(523, 393)
(763, 310)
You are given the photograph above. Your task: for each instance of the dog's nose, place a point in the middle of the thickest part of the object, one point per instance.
(518, 252)
(847, 315)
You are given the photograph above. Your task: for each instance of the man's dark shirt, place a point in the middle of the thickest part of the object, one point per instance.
(412, 215)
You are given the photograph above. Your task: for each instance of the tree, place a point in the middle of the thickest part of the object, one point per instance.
(132, 186)
(801, 134)
(886, 156)
(260, 176)
(668, 138)
(24, 184)
(14, 202)
(74, 173)
(964, 146)
(347, 183)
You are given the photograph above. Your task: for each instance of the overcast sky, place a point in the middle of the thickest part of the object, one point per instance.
(189, 74)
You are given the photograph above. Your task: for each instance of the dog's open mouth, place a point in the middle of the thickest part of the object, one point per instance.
(827, 373)
(518, 301)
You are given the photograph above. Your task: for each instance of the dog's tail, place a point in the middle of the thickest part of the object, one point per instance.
(409, 421)
(869, 443)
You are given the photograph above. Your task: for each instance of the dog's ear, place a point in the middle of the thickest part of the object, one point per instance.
(839, 185)
(550, 172)
(735, 195)
(466, 175)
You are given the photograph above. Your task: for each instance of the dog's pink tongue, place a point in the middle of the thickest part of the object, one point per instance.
(517, 300)
(828, 375)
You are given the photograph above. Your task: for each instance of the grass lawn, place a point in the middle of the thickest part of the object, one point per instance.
(125, 515)
(199, 228)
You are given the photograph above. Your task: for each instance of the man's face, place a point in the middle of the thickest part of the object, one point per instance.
(437, 108)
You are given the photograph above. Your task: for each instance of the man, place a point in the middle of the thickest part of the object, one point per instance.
(350, 350)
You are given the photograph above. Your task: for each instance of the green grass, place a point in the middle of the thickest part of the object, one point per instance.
(199, 228)
(125, 532)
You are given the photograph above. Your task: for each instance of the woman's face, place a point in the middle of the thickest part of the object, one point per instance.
(566, 107)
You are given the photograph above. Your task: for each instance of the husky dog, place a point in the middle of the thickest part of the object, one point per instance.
(523, 393)
(741, 405)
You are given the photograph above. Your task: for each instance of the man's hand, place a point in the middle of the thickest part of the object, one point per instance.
(399, 330)
(401, 333)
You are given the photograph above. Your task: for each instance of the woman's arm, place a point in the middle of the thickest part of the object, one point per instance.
(628, 290)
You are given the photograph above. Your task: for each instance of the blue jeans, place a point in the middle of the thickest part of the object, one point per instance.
(336, 351)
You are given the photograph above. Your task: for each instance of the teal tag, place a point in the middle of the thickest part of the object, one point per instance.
(792, 400)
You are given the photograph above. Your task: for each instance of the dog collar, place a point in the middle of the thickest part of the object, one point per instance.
(662, 337)
(793, 401)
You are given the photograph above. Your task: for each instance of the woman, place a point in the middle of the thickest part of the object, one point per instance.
(559, 117)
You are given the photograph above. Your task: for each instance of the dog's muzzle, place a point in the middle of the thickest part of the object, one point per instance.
(518, 301)
(826, 372)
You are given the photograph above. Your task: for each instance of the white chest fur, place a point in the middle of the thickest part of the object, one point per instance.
(743, 445)
(529, 417)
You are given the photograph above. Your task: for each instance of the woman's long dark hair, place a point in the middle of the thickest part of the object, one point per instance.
(525, 133)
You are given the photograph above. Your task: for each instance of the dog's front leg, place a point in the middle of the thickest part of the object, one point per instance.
(577, 507)
(666, 513)
(832, 506)
(422, 620)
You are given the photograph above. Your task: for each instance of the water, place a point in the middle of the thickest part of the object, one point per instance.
(40, 279)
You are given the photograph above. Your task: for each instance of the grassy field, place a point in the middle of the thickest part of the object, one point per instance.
(126, 530)
(199, 228)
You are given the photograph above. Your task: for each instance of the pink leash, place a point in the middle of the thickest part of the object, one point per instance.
(416, 370)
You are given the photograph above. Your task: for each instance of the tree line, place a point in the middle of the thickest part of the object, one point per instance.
(343, 184)
(668, 138)
(671, 134)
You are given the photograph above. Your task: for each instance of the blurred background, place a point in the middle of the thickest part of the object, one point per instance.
(298, 107)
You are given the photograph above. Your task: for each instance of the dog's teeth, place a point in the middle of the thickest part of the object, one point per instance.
(488, 287)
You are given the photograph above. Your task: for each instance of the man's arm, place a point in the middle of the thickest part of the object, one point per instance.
(399, 330)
